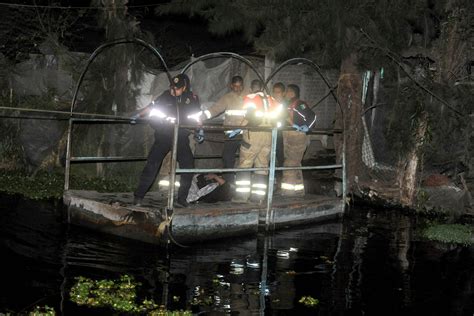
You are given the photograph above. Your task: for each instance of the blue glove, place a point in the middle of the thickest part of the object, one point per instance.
(199, 136)
(235, 132)
(302, 128)
(133, 119)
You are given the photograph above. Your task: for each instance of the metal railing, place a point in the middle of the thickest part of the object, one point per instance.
(174, 170)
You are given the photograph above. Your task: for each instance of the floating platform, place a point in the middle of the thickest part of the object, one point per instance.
(113, 213)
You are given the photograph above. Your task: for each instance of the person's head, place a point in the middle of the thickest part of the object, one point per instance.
(256, 86)
(278, 91)
(179, 84)
(237, 84)
(292, 92)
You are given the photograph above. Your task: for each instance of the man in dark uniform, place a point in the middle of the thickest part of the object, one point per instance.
(302, 119)
(163, 113)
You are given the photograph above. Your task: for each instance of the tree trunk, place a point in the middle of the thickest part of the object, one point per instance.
(452, 49)
(349, 92)
(409, 172)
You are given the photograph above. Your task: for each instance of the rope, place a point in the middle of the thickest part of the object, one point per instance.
(171, 235)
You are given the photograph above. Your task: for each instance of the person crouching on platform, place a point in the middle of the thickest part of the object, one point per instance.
(302, 119)
(209, 188)
(162, 114)
(262, 111)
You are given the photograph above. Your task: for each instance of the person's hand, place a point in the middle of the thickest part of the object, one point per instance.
(302, 128)
(198, 117)
(134, 118)
(234, 133)
(210, 176)
(199, 136)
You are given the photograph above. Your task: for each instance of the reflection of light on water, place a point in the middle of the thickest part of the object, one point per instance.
(265, 290)
(252, 262)
(237, 266)
(197, 290)
(283, 254)
(234, 270)
(237, 263)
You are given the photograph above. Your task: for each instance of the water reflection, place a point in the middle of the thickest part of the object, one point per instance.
(368, 264)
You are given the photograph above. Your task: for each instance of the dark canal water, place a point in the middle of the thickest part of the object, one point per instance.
(369, 263)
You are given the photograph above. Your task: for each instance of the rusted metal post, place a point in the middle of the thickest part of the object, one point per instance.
(67, 170)
(264, 275)
(174, 151)
(271, 181)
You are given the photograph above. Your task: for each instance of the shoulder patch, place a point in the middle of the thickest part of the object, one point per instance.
(302, 106)
(187, 101)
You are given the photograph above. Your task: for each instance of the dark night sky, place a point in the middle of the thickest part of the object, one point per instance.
(174, 33)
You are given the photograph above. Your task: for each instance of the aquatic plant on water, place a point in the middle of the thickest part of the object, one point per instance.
(42, 311)
(45, 185)
(450, 233)
(309, 301)
(119, 295)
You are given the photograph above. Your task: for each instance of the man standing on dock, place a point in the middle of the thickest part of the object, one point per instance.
(302, 119)
(162, 114)
(261, 111)
(231, 105)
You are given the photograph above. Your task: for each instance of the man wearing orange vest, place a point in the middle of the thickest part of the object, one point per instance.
(302, 118)
(260, 110)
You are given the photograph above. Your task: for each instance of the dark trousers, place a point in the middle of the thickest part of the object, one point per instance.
(228, 156)
(162, 145)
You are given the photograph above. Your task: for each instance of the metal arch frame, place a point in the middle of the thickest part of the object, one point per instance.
(96, 53)
(317, 68)
(312, 64)
(229, 55)
(102, 47)
(176, 126)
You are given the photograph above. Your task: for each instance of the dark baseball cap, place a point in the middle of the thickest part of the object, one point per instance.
(179, 81)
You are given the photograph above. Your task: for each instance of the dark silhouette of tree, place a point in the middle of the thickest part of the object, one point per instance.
(351, 35)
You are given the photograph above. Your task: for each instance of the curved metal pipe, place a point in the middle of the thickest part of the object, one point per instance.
(102, 47)
(229, 55)
(315, 67)
(331, 90)
(99, 50)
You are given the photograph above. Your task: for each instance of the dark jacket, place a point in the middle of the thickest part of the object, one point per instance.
(300, 113)
(187, 103)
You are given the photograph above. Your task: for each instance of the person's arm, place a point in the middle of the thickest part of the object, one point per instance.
(207, 189)
(306, 114)
(309, 115)
(193, 193)
(216, 178)
(144, 112)
(219, 107)
(141, 113)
